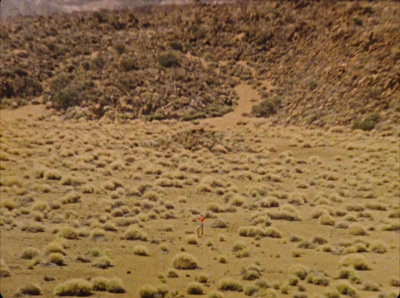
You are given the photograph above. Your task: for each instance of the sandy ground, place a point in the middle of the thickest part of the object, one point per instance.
(335, 190)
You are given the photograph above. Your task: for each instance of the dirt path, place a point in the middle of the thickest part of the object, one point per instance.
(246, 94)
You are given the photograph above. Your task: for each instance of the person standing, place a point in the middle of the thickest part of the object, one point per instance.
(200, 228)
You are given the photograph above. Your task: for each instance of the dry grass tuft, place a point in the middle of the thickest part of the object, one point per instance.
(30, 253)
(184, 261)
(134, 233)
(30, 290)
(68, 233)
(357, 230)
(140, 250)
(229, 284)
(74, 287)
(4, 270)
(71, 198)
(356, 261)
(299, 270)
(191, 239)
(56, 258)
(195, 288)
(345, 288)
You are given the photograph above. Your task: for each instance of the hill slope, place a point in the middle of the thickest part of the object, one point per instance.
(313, 63)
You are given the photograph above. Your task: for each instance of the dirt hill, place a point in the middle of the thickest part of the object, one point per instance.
(320, 64)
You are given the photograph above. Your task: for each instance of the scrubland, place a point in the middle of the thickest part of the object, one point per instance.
(276, 121)
(107, 208)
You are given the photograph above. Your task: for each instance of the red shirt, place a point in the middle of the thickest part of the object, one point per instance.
(200, 219)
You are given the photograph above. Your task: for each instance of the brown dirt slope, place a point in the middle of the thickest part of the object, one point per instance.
(317, 63)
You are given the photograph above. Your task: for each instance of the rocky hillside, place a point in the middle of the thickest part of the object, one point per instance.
(317, 63)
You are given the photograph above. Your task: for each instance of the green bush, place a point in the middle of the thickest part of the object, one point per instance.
(60, 82)
(168, 60)
(265, 109)
(367, 124)
(65, 98)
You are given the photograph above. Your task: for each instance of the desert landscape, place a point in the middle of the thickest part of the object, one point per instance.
(279, 126)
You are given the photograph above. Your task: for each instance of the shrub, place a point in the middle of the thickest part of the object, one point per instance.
(273, 232)
(332, 293)
(74, 287)
(251, 290)
(103, 263)
(299, 270)
(371, 286)
(293, 280)
(71, 198)
(238, 246)
(346, 289)
(115, 285)
(33, 227)
(326, 219)
(57, 258)
(378, 247)
(229, 284)
(251, 232)
(120, 47)
(395, 282)
(350, 274)
(140, 250)
(202, 278)
(176, 45)
(55, 247)
(219, 224)
(147, 292)
(284, 288)
(52, 175)
(222, 259)
(265, 109)
(128, 64)
(30, 253)
(65, 98)
(356, 261)
(184, 261)
(251, 273)
(367, 124)
(191, 239)
(168, 60)
(317, 278)
(99, 284)
(195, 288)
(68, 233)
(30, 290)
(134, 233)
(172, 274)
(97, 233)
(357, 229)
(4, 270)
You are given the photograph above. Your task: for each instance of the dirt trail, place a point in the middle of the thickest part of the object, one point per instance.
(246, 94)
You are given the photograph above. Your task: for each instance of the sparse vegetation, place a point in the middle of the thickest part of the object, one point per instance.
(101, 170)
